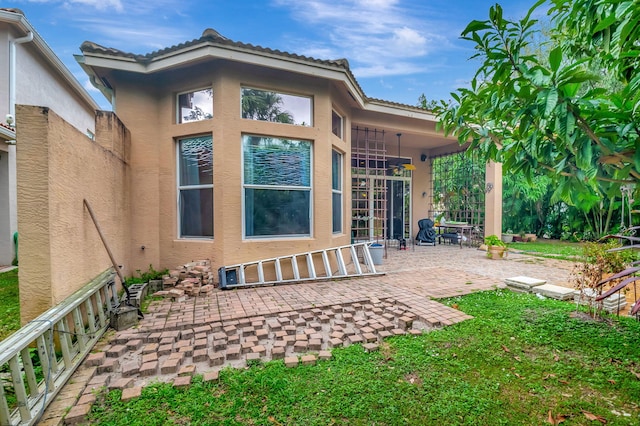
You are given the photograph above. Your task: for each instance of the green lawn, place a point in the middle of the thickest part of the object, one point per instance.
(9, 303)
(518, 361)
(550, 248)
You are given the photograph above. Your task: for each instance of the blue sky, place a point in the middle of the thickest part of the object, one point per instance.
(397, 49)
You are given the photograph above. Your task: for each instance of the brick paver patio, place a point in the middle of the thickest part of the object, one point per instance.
(298, 323)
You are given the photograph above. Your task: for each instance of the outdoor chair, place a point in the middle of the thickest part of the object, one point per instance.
(426, 234)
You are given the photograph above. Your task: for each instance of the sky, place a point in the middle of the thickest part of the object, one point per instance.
(397, 49)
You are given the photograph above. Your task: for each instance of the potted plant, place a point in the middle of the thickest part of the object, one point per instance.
(495, 247)
(507, 237)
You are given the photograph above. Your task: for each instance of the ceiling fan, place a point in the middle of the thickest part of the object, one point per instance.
(399, 165)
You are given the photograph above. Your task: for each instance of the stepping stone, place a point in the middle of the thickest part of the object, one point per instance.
(187, 370)
(210, 376)
(554, 291)
(291, 361)
(77, 414)
(324, 355)
(95, 359)
(217, 358)
(149, 369)
(308, 360)
(523, 284)
(182, 381)
(277, 353)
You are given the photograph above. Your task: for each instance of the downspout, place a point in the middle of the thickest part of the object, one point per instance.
(12, 169)
(12, 70)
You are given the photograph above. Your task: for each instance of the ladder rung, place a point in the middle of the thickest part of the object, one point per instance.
(294, 267)
(354, 258)
(310, 267)
(327, 265)
(341, 266)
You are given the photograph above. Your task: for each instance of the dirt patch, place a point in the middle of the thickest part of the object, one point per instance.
(414, 379)
(584, 316)
(386, 351)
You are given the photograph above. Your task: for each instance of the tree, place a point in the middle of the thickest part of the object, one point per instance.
(553, 116)
(264, 105)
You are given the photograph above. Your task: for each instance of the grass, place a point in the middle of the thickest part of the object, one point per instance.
(550, 248)
(518, 361)
(9, 303)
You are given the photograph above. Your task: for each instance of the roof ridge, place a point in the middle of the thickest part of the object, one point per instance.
(208, 35)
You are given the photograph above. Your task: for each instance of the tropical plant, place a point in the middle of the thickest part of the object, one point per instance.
(554, 116)
(494, 240)
(264, 105)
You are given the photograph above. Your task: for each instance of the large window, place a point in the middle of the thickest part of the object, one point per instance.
(195, 106)
(336, 190)
(277, 186)
(195, 187)
(265, 105)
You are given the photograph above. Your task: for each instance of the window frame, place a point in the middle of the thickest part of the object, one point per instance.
(180, 188)
(280, 92)
(337, 191)
(341, 117)
(178, 115)
(246, 186)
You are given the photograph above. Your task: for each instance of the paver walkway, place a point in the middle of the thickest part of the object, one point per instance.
(300, 322)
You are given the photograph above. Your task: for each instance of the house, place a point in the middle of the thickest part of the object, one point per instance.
(222, 150)
(33, 75)
(241, 152)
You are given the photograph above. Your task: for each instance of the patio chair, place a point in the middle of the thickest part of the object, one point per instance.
(426, 234)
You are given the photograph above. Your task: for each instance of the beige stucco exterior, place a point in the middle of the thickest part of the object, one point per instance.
(59, 168)
(143, 91)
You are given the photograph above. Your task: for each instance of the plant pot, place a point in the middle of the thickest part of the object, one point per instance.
(507, 238)
(496, 252)
(531, 237)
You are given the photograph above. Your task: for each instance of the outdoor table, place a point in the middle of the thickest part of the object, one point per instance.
(459, 228)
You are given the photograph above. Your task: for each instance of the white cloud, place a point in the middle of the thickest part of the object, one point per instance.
(379, 37)
(96, 4)
(129, 33)
(103, 5)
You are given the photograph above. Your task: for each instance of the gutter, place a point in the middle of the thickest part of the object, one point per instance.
(12, 70)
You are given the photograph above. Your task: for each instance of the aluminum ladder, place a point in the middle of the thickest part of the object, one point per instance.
(348, 261)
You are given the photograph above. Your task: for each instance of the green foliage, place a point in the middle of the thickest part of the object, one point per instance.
(607, 262)
(494, 240)
(264, 105)
(552, 115)
(550, 248)
(144, 277)
(9, 303)
(518, 358)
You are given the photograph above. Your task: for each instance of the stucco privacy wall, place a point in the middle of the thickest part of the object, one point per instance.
(58, 167)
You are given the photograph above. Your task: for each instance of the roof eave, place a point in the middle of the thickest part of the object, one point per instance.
(21, 22)
(7, 134)
(231, 53)
(398, 109)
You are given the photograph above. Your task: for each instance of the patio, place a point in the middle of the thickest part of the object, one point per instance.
(231, 328)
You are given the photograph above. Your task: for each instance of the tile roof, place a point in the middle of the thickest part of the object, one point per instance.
(6, 126)
(212, 37)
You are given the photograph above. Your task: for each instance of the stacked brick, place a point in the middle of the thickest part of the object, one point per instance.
(189, 280)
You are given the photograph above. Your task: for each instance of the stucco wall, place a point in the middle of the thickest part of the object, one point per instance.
(146, 105)
(38, 84)
(58, 167)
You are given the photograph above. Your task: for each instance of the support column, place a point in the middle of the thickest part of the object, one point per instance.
(493, 199)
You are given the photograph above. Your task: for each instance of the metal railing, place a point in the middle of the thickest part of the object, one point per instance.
(37, 360)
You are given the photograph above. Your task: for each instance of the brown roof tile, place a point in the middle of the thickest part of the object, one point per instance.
(211, 36)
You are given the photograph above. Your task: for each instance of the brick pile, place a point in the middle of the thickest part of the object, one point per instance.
(189, 280)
